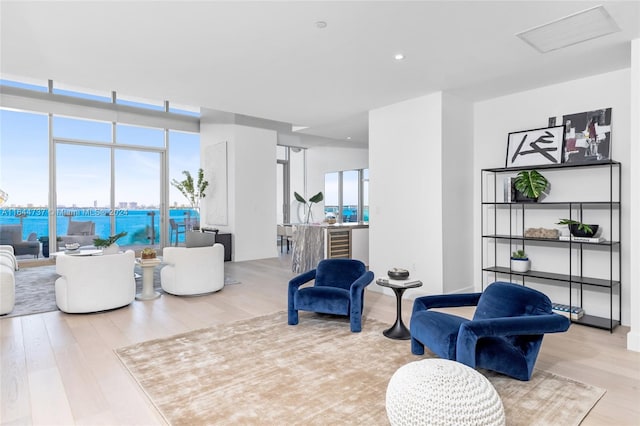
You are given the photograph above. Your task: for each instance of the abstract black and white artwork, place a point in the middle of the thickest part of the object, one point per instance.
(535, 147)
(587, 136)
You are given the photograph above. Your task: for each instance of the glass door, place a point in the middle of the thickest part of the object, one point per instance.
(83, 177)
(137, 197)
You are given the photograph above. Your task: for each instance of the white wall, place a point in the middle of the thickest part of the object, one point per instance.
(457, 194)
(251, 186)
(495, 118)
(633, 338)
(405, 190)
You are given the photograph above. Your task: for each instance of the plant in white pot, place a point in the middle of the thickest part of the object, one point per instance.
(520, 261)
(308, 204)
(108, 245)
(194, 192)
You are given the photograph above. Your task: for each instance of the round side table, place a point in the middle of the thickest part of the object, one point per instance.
(398, 330)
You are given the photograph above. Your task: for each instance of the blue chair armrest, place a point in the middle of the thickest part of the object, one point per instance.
(302, 278)
(471, 331)
(445, 301)
(358, 285)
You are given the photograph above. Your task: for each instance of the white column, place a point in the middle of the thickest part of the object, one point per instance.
(633, 337)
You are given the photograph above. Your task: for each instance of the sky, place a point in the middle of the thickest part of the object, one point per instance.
(83, 175)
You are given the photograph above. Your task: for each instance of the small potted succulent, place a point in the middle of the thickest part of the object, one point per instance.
(520, 261)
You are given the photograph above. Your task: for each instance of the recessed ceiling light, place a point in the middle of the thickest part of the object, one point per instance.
(573, 29)
(398, 56)
(348, 137)
(321, 24)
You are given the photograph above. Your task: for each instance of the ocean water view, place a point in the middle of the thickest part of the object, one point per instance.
(138, 223)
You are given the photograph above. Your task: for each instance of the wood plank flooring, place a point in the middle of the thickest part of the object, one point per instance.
(60, 369)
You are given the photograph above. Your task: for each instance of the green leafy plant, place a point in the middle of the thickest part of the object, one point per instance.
(531, 183)
(315, 199)
(106, 242)
(519, 254)
(193, 192)
(581, 226)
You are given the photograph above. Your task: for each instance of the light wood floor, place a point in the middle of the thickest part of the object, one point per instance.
(61, 369)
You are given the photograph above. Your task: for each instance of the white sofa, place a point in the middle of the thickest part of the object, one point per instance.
(8, 265)
(192, 270)
(95, 283)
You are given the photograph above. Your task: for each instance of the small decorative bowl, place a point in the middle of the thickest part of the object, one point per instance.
(72, 246)
(398, 274)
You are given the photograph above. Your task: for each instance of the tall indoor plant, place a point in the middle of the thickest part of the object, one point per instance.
(194, 192)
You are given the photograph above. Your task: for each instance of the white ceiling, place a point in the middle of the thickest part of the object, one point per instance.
(269, 60)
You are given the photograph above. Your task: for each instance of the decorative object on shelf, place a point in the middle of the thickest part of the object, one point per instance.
(193, 193)
(587, 136)
(529, 186)
(579, 229)
(520, 261)
(571, 312)
(535, 147)
(108, 245)
(541, 233)
(148, 253)
(398, 273)
(308, 204)
(330, 218)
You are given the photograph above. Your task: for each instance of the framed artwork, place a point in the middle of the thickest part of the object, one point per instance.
(587, 136)
(535, 147)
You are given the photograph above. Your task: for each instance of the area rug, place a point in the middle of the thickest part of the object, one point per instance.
(35, 290)
(263, 371)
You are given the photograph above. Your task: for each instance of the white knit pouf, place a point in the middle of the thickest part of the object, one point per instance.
(442, 392)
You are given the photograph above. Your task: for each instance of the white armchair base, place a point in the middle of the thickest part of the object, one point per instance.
(95, 283)
(192, 271)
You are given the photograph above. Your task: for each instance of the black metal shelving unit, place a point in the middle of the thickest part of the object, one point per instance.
(574, 279)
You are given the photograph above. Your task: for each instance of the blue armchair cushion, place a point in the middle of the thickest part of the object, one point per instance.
(505, 334)
(338, 289)
(323, 299)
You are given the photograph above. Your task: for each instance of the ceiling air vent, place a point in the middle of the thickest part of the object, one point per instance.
(573, 29)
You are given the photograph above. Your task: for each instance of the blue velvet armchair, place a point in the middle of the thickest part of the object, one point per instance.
(338, 289)
(505, 334)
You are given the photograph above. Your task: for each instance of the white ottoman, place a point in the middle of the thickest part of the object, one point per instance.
(442, 392)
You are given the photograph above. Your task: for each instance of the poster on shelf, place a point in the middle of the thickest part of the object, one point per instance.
(535, 147)
(587, 136)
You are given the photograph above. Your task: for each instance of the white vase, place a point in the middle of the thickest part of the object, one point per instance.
(520, 265)
(112, 249)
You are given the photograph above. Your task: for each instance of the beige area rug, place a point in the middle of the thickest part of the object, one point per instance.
(263, 371)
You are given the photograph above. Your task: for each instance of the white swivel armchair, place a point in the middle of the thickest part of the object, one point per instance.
(95, 283)
(8, 265)
(192, 270)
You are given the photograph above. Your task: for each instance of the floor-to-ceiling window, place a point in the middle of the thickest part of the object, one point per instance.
(95, 162)
(24, 171)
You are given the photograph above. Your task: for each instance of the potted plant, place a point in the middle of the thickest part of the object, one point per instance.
(108, 245)
(579, 229)
(529, 185)
(148, 253)
(194, 193)
(520, 261)
(315, 199)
